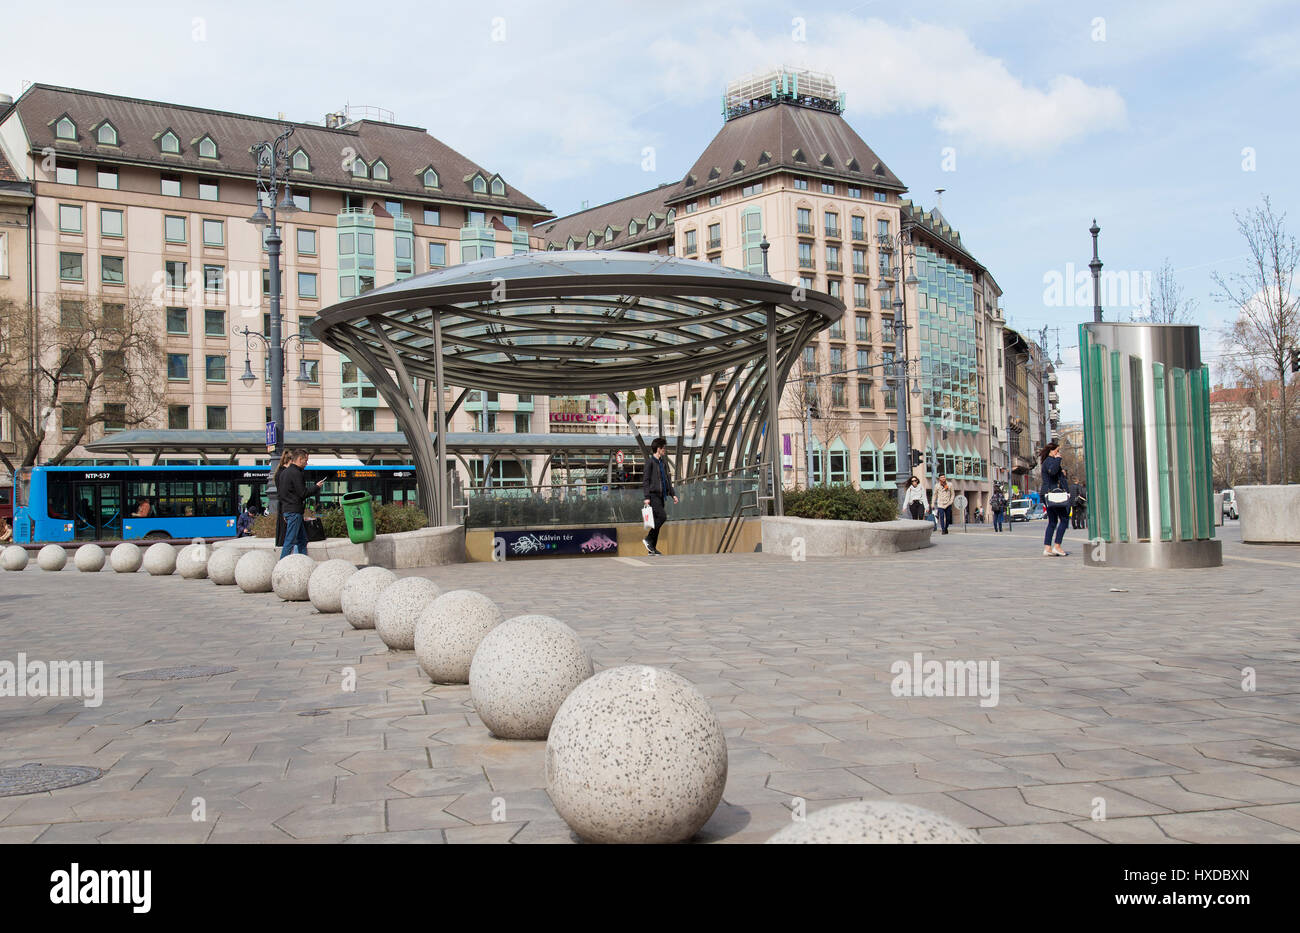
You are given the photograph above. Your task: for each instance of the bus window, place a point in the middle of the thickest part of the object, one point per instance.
(213, 500)
(141, 491)
(175, 499)
(331, 493)
(59, 489)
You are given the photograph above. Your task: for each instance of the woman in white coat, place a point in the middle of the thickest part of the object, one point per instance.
(914, 500)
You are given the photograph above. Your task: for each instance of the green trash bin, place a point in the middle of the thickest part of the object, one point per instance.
(360, 517)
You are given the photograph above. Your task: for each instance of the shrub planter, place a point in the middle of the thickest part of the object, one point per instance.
(828, 538)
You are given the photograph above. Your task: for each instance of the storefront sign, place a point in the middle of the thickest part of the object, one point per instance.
(552, 541)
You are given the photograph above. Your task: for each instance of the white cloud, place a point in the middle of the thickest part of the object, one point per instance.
(918, 68)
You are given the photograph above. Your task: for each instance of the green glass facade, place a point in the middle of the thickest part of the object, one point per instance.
(949, 358)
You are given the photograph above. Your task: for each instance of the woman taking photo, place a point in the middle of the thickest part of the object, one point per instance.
(914, 501)
(1056, 498)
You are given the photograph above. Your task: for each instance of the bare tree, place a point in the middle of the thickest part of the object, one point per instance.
(1167, 303)
(1268, 309)
(82, 361)
(830, 418)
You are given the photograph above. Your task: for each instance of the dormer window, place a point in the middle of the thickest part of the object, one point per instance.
(498, 187)
(650, 222)
(65, 128)
(430, 178)
(798, 156)
(207, 148)
(609, 234)
(360, 169)
(169, 142)
(631, 228)
(380, 171)
(571, 243)
(301, 161)
(480, 186)
(591, 239)
(106, 135)
(672, 214)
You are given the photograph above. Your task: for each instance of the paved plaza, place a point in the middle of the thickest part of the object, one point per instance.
(1120, 690)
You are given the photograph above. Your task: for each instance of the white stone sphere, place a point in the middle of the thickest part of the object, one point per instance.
(160, 559)
(192, 561)
(361, 592)
(874, 822)
(637, 755)
(14, 558)
(89, 558)
(399, 607)
(522, 671)
(126, 557)
(221, 565)
(52, 557)
(325, 585)
(253, 571)
(448, 633)
(290, 576)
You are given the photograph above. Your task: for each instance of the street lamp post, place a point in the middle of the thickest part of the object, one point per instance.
(272, 175)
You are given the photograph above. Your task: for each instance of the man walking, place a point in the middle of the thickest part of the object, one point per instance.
(998, 504)
(944, 494)
(291, 485)
(657, 486)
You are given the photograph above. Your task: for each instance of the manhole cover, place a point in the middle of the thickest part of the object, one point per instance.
(315, 712)
(176, 673)
(38, 778)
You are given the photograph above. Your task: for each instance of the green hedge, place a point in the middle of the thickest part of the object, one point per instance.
(842, 503)
(389, 519)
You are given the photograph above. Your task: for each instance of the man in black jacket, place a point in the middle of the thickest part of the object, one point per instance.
(291, 485)
(656, 486)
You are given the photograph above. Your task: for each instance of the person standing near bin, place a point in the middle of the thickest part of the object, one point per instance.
(657, 486)
(291, 485)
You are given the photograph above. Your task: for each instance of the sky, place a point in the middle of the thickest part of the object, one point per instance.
(1160, 118)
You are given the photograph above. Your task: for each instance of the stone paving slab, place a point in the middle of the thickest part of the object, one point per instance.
(1124, 686)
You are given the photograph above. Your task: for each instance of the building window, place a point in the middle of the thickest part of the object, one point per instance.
(214, 233)
(70, 218)
(70, 267)
(715, 200)
(73, 415)
(755, 188)
(178, 367)
(207, 148)
(360, 169)
(882, 228)
(839, 466)
(806, 283)
(307, 285)
(809, 359)
(433, 216)
(828, 187)
(864, 357)
(216, 417)
(891, 397)
(306, 242)
(855, 192)
(302, 200)
(837, 330)
(110, 223)
(801, 184)
(106, 177)
(178, 320)
(860, 298)
(832, 258)
(715, 236)
(214, 322)
(879, 196)
(430, 178)
(860, 262)
(170, 185)
(313, 371)
(309, 418)
(690, 243)
(114, 316)
(523, 423)
(864, 393)
(178, 417)
(174, 229)
(832, 224)
(169, 142)
(480, 186)
(209, 191)
(806, 256)
(71, 314)
(858, 225)
(805, 221)
(835, 287)
(65, 129)
(112, 270)
(837, 359)
(301, 161)
(498, 187)
(365, 419)
(175, 273)
(214, 278)
(65, 173)
(214, 368)
(691, 208)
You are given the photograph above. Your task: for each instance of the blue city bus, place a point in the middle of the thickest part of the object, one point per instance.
(104, 503)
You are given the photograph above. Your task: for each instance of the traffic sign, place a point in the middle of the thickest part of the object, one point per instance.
(618, 457)
(270, 434)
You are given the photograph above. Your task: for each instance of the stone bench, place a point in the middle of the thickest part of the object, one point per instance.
(826, 538)
(425, 547)
(1269, 514)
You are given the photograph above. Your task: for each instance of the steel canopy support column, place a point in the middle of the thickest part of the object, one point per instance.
(773, 414)
(443, 512)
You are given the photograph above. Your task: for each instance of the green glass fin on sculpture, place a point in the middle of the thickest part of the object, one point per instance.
(1120, 473)
(1162, 448)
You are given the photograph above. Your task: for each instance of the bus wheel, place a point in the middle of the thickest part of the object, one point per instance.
(158, 534)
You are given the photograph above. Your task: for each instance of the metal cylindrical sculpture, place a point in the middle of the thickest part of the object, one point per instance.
(1146, 421)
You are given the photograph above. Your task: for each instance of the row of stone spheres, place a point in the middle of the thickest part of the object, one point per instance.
(634, 754)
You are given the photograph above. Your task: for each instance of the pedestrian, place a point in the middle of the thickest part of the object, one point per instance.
(914, 500)
(1077, 505)
(6, 532)
(293, 491)
(999, 506)
(244, 524)
(657, 486)
(943, 499)
(1055, 494)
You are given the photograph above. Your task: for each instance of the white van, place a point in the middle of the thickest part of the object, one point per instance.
(1229, 504)
(1020, 509)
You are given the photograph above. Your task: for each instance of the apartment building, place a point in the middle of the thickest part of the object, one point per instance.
(786, 167)
(145, 198)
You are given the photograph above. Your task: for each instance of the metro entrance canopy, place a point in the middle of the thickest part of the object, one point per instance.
(583, 322)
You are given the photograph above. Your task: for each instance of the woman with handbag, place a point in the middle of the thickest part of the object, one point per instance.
(914, 502)
(1056, 497)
